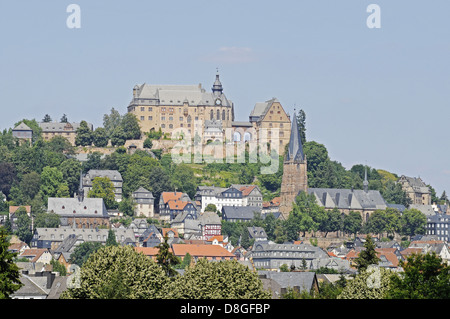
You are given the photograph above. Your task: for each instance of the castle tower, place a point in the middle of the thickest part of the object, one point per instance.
(294, 171)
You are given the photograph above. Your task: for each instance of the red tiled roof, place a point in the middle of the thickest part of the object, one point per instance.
(177, 204)
(168, 196)
(208, 251)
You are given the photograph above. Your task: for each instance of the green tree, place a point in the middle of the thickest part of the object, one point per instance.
(111, 121)
(102, 187)
(24, 231)
(57, 266)
(63, 191)
(332, 222)
(46, 118)
(118, 136)
(211, 208)
(148, 143)
(47, 220)
(70, 170)
(51, 179)
(166, 259)
(367, 256)
(100, 137)
(111, 240)
(372, 283)
(412, 222)
(118, 272)
(84, 135)
(226, 279)
(377, 222)
(130, 125)
(183, 179)
(9, 272)
(352, 223)
(82, 252)
(424, 276)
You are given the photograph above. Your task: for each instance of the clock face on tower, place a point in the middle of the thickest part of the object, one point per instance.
(218, 102)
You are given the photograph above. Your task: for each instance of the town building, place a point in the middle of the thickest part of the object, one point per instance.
(13, 210)
(240, 213)
(173, 204)
(270, 116)
(54, 238)
(416, 189)
(273, 256)
(199, 251)
(145, 203)
(67, 130)
(363, 201)
(279, 283)
(113, 175)
(235, 195)
(22, 131)
(439, 225)
(171, 107)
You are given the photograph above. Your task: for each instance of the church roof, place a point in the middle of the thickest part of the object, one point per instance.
(348, 198)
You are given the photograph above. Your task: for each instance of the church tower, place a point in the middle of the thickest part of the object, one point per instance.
(294, 171)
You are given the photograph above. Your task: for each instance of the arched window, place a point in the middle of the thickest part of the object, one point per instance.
(223, 115)
(218, 115)
(212, 115)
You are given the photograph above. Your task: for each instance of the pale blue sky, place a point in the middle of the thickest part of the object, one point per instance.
(375, 96)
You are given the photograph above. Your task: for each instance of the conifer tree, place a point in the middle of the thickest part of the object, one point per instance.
(9, 272)
(368, 256)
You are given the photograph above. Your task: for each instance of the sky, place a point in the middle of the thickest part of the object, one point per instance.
(374, 96)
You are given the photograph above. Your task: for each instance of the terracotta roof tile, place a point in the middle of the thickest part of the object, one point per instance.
(208, 251)
(168, 196)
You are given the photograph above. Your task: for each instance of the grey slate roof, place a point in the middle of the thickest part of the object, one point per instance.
(72, 207)
(304, 281)
(113, 175)
(348, 199)
(59, 127)
(22, 127)
(157, 94)
(295, 149)
(239, 212)
(427, 210)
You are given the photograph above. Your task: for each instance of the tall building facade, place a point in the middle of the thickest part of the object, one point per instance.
(170, 107)
(295, 177)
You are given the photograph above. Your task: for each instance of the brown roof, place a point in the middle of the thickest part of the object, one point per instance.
(36, 253)
(165, 230)
(390, 255)
(247, 189)
(12, 209)
(205, 250)
(177, 204)
(168, 196)
(149, 251)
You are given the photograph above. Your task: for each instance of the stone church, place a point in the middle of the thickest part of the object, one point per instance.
(295, 180)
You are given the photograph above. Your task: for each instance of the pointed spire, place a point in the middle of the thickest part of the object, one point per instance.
(80, 188)
(366, 182)
(217, 87)
(295, 150)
